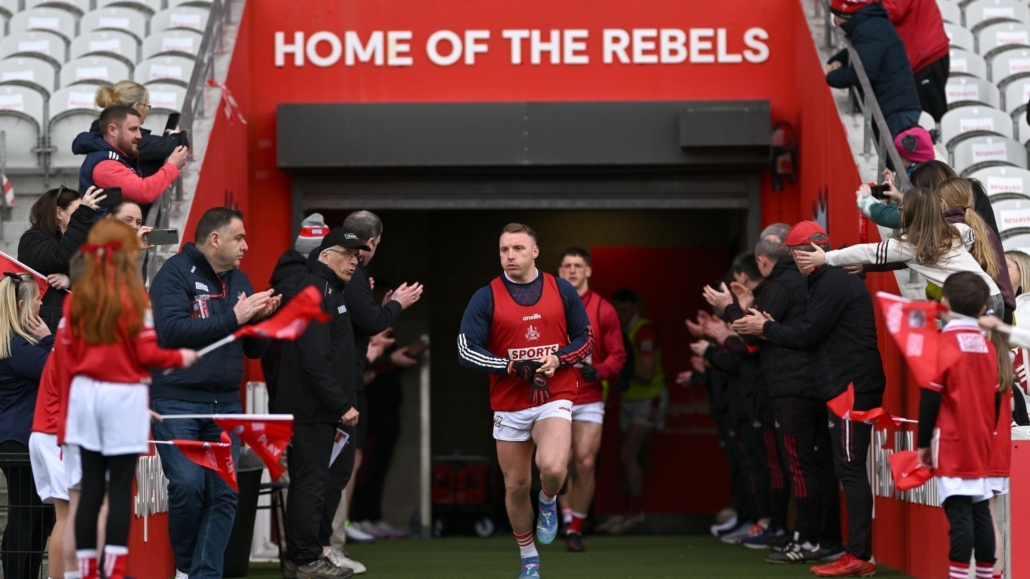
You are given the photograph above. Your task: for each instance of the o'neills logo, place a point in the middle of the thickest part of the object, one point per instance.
(533, 317)
(534, 353)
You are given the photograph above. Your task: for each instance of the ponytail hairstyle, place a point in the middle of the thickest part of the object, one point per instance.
(15, 288)
(125, 92)
(958, 193)
(924, 226)
(110, 291)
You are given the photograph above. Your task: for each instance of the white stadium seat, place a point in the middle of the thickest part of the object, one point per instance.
(30, 72)
(148, 7)
(1003, 180)
(183, 18)
(175, 70)
(926, 121)
(1016, 95)
(198, 3)
(967, 90)
(1022, 129)
(72, 111)
(95, 70)
(1008, 65)
(165, 99)
(172, 43)
(965, 63)
(1017, 242)
(44, 45)
(1011, 211)
(951, 12)
(966, 122)
(977, 153)
(120, 45)
(50, 19)
(9, 8)
(123, 19)
(984, 12)
(1002, 35)
(959, 37)
(21, 120)
(76, 7)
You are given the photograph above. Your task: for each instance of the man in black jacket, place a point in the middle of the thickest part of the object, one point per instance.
(800, 413)
(318, 387)
(287, 279)
(199, 297)
(884, 59)
(368, 318)
(838, 331)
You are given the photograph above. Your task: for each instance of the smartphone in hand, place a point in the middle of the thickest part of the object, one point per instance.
(162, 237)
(173, 121)
(113, 197)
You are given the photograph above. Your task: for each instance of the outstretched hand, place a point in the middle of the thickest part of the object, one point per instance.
(752, 324)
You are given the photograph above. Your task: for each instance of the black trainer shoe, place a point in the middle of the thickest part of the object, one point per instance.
(794, 553)
(574, 543)
(831, 554)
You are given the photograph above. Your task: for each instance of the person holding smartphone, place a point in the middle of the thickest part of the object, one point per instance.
(113, 158)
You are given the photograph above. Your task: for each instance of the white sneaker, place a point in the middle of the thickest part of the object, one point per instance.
(181, 575)
(336, 557)
(356, 535)
(369, 528)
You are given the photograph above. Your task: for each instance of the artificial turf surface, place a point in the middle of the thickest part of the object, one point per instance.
(627, 557)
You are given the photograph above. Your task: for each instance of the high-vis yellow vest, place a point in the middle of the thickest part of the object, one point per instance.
(639, 389)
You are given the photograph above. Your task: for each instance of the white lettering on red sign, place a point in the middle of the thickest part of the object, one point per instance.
(962, 92)
(533, 353)
(1014, 218)
(989, 151)
(1004, 185)
(976, 124)
(552, 46)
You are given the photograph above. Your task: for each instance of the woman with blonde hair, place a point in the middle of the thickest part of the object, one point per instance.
(25, 344)
(106, 348)
(956, 195)
(153, 149)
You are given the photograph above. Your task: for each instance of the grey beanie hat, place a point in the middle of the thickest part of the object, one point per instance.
(312, 230)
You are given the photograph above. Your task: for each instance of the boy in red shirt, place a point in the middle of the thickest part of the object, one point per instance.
(957, 417)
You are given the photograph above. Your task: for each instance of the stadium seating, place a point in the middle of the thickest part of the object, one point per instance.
(21, 120)
(172, 43)
(123, 19)
(111, 43)
(976, 153)
(182, 18)
(47, 46)
(1003, 180)
(951, 13)
(966, 90)
(966, 63)
(966, 122)
(1011, 211)
(72, 111)
(165, 99)
(175, 70)
(30, 72)
(94, 70)
(1001, 36)
(981, 13)
(76, 7)
(960, 37)
(54, 20)
(1009, 65)
(1016, 96)
(145, 7)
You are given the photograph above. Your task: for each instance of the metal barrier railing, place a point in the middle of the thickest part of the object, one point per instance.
(27, 521)
(865, 100)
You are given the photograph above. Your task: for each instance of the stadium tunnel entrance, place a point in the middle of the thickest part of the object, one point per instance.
(663, 194)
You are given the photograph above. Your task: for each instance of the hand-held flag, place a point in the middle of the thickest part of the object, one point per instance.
(291, 321)
(908, 473)
(844, 407)
(216, 456)
(913, 325)
(266, 434)
(8, 263)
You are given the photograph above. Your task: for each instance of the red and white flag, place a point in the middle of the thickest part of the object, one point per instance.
(8, 191)
(913, 325)
(907, 471)
(216, 456)
(9, 264)
(266, 434)
(292, 320)
(844, 407)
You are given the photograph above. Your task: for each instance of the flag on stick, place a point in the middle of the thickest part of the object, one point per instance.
(907, 471)
(216, 456)
(913, 325)
(8, 263)
(266, 434)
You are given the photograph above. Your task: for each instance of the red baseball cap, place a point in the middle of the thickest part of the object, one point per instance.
(802, 234)
(847, 7)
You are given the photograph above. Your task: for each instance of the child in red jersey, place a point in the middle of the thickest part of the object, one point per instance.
(957, 417)
(106, 348)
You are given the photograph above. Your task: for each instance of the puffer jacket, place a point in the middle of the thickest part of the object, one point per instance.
(883, 57)
(921, 27)
(786, 299)
(287, 279)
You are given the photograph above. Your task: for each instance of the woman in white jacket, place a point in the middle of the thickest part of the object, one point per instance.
(927, 244)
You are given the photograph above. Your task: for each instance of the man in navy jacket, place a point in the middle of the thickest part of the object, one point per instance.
(199, 297)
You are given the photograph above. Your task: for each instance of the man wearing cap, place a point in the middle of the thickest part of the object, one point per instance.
(528, 329)
(838, 331)
(287, 277)
(874, 38)
(318, 388)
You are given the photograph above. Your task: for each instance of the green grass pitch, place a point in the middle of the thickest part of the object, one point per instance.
(629, 557)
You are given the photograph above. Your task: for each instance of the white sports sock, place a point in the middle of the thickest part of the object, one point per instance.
(529, 551)
(72, 575)
(546, 500)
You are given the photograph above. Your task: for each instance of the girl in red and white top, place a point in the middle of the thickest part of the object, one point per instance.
(958, 412)
(107, 347)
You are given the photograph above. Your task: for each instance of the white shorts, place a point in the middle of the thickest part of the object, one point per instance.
(999, 485)
(518, 426)
(47, 467)
(72, 467)
(650, 412)
(108, 417)
(591, 412)
(977, 488)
